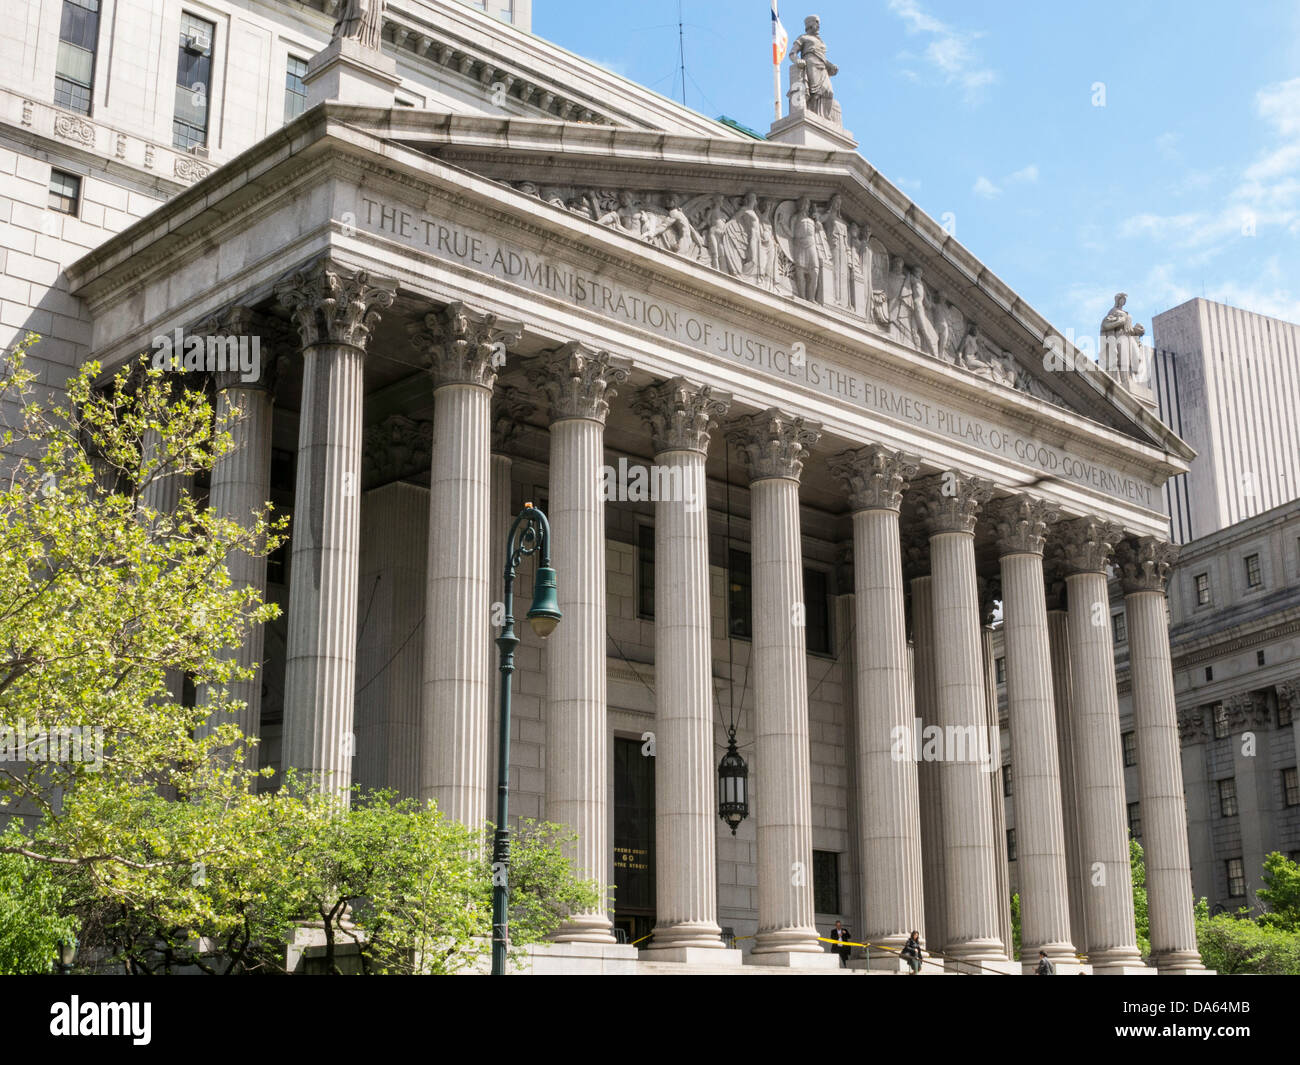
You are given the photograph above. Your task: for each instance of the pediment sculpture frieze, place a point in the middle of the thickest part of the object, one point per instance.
(804, 249)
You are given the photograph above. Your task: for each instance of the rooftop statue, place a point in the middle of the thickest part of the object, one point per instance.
(814, 72)
(362, 21)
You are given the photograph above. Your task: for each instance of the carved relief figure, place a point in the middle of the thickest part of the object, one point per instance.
(926, 337)
(362, 21)
(837, 238)
(628, 216)
(675, 232)
(812, 70)
(900, 302)
(808, 252)
(859, 252)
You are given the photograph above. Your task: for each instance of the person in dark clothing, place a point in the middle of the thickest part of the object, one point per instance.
(1045, 967)
(912, 953)
(840, 935)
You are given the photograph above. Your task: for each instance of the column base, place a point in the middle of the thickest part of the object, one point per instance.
(977, 950)
(1180, 963)
(789, 941)
(788, 959)
(694, 955)
(701, 936)
(586, 928)
(987, 967)
(1118, 961)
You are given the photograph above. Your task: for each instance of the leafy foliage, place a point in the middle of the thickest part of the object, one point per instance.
(1141, 918)
(158, 851)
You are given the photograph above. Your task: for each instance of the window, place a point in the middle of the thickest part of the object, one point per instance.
(1259, 658)
(817, 618)
(1221, 727)
(193, 83)
(1228, 797)
(1120, 625)
(1209, 674)
(65, 192)
(1135, 819)
(1290, 787)
(1011, 844)
(282, 468)
(645, 571)
(1130, 748)
(1000, 670)
(295, 92)
(74, 66)
(1236, 878)
(826, 882)
(1202, 589)
(1253, 576)
(1006, 779)
(740, 603)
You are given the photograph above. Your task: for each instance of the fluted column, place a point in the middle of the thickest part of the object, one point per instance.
(335, 310)
(934, 932)
(511, 409)
(462, 347)
(990, 591)
(1144, 567)
(1058, 636)
(889, 818)
(681, 416)
(1086, 544)
(241, 488)
(579, 384)
(774, 446)
(949, 505)
(1019, 524)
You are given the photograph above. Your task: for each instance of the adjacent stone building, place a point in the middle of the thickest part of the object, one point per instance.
(795, 443)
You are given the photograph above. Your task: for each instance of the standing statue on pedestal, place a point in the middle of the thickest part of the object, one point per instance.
(811, 72)
(1121, 346)
(362, 21)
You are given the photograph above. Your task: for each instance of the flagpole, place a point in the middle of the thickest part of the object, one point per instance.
(776, 63)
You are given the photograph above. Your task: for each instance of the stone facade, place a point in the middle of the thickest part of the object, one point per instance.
(786, 465)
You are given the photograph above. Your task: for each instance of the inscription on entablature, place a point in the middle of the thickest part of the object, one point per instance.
(789, 361)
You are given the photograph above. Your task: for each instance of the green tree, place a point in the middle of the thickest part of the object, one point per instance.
(1280, 893)
(1141, 920)
(147, 837)
(1015, 926)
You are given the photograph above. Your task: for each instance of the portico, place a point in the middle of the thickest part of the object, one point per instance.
(438, 276)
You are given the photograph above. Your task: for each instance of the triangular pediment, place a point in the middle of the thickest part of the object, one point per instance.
(804, 223)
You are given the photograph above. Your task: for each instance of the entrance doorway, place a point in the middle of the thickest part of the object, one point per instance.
(634, 840)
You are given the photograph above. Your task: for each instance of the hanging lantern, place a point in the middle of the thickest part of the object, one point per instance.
(733, 785)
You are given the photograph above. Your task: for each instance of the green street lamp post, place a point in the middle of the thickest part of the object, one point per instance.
(529, 535)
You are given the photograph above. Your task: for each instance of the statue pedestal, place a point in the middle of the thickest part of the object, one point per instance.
(347, 72)
(811, 131)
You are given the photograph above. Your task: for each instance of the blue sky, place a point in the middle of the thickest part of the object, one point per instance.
(1185, 183)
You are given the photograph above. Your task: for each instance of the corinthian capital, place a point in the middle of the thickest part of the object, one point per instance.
(681, 415)
(874, 476)
(1020, 523)
(580, 381)
(462, 346)
(1144, 563)
(774, 444)
(245, 347)
(1086, 544)
(951, 501)
(331, 304)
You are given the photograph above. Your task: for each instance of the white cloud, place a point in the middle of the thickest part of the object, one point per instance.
(985, 189)
(1028, 174)
(950, 52)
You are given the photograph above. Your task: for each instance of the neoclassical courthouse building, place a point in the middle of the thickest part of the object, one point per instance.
(796, 445)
